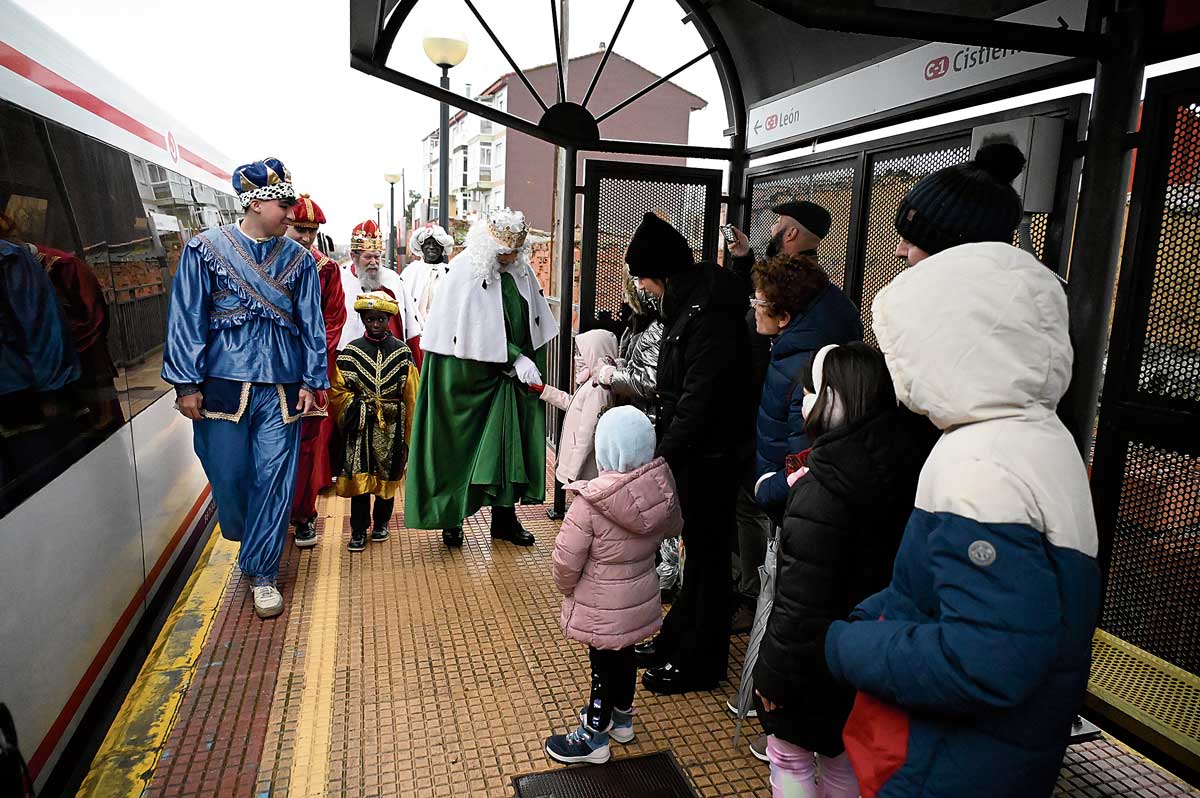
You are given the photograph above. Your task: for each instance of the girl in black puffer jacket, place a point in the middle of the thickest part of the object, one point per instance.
(845, 517)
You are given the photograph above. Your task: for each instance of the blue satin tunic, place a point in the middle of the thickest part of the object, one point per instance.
(245, 311)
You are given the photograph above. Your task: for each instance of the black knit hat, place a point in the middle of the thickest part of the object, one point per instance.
(966, 203)
(814, 218)
(657, 250)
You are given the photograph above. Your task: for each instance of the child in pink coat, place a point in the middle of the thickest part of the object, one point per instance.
(604, 566)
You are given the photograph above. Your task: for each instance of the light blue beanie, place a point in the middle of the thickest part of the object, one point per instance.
(624, 439)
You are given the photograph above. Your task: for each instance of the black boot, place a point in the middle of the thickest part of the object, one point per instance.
(453, 537)
(306, 533)
(358, 540)
(647, 654)
(505, 526)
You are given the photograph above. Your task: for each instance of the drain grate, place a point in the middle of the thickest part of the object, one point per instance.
(1149, 690)
(650, 776)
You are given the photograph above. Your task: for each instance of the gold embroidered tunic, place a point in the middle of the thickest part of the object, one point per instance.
(372, 397)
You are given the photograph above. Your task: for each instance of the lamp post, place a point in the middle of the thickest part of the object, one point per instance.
(378, 209)
(445, 50)
(391, 179)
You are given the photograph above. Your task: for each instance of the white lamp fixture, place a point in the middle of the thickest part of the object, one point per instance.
(391, 178)
(445, 48)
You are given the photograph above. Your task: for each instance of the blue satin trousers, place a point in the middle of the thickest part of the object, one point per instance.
(251, 465)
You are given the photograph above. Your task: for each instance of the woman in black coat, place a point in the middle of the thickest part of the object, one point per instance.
(704, 415)
(845, 517)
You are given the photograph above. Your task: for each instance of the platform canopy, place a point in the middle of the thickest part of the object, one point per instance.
(765, 49)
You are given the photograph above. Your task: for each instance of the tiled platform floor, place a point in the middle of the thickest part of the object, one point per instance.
(409, 670)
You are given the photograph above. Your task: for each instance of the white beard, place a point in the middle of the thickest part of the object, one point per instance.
(370, 282)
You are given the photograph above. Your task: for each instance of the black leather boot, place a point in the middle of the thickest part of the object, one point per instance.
(453, 537)
(505, 526)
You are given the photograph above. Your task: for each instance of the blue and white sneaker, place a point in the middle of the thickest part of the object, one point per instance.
(581, 745)
(621, 726)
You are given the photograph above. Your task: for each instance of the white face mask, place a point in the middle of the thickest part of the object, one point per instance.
(582, 372)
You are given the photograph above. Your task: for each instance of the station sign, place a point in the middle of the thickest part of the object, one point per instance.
(917, 75)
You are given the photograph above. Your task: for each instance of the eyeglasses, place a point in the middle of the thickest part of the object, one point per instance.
(759, 303)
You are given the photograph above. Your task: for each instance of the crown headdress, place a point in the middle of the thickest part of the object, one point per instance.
(366, 237)
(508, 228)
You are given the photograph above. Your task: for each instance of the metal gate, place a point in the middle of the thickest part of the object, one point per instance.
(1146, 469)
(862, 188)
(617, 194)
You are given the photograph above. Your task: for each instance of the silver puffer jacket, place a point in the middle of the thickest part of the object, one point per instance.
(635, 379)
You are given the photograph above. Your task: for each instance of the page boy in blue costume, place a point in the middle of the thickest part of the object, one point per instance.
(245, 351)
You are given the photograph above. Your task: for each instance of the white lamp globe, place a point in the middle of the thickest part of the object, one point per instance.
(445, 48)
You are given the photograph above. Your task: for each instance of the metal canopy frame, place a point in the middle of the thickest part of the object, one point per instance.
(374, 25)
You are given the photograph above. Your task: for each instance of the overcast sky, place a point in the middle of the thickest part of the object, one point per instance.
(256, 78)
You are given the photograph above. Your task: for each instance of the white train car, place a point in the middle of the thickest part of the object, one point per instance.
(100, 495)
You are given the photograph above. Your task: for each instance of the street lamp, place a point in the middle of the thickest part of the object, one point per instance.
(445, 49)
(378, 220)
(391, 179)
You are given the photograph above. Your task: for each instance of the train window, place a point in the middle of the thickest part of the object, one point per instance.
(90, 237)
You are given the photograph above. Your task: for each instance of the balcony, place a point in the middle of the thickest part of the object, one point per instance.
(479, 179)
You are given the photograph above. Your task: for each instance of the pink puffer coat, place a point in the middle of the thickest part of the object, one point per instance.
(604, 555)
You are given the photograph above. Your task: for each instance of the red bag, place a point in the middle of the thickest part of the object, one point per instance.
(876, 738)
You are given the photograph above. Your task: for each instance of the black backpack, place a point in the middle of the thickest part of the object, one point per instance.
(14, 776)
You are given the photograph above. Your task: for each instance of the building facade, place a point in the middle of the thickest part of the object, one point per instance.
(493, 167)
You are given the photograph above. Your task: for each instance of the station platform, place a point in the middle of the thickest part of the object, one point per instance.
(411, 670)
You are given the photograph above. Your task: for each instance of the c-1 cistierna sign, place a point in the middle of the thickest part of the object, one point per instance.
(919, 74)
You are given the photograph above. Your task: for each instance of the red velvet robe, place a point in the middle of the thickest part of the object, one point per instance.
(315, 471)
(82, 299)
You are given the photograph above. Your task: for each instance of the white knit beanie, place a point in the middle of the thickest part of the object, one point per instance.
(624, 439)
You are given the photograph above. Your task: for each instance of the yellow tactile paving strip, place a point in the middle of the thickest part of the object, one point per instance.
(127, 758)
(411, 670)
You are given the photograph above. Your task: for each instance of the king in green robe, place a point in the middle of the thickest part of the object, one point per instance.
(479, 432)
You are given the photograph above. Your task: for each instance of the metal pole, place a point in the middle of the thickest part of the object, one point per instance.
(566, 296)
(403, 247)
(444, 157)
(1098, 229)
(392, 226)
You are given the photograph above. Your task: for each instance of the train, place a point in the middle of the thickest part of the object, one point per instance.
(99, 512)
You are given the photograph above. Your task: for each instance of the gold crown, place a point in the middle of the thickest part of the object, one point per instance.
(513, 239)
(367, 243)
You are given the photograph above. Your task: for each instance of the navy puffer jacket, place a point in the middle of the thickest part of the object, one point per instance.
(830, 318)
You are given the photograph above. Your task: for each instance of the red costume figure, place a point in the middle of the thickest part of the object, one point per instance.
(369, 274)
(315, 472)
(82, 299)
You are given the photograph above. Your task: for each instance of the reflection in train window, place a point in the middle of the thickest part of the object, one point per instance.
(90, 237)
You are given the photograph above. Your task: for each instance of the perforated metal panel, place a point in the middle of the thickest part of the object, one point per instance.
(829, 185)
(617, 195)
(1163, 697)
(1038, 225)
(1170, 366)
(1153, 593)
(892, 175)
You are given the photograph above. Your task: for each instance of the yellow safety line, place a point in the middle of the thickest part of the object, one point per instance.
(125, 763)
(310, 767)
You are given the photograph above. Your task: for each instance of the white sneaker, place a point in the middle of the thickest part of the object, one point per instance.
(268, 601)
(732, 707)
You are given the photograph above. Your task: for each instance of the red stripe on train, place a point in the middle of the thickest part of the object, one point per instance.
(16, 61)
(51, 740)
